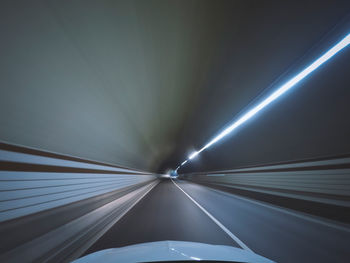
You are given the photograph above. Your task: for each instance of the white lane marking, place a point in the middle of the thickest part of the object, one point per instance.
(104, 230)
(228, 232)
(286, 211)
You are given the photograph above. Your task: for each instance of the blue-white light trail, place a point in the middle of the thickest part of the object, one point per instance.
(276, 94)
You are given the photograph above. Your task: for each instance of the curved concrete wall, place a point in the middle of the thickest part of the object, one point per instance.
(101, 79)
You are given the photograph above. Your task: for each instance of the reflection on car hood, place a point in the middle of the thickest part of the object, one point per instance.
(173, 251)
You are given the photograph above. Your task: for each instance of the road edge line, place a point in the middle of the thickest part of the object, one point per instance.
(228, 232)
(111, 224)
(301, 215)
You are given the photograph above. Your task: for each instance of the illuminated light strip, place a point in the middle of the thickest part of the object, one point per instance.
(193, 155)
(276, 94)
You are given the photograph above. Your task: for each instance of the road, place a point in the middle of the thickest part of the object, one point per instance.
(167, 213)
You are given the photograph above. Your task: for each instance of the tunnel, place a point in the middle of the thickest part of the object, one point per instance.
(186, 125)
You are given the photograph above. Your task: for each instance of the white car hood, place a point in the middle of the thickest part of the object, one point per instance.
(173, 251)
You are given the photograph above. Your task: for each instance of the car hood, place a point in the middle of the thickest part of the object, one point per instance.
(173, 251)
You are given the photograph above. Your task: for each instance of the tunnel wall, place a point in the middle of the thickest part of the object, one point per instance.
(319, 186)
(54, 207)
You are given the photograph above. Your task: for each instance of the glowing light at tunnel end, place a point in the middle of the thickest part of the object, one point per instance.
(274, 95)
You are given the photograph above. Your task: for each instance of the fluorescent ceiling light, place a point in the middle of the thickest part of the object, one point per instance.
(192, 155)
(277, 93)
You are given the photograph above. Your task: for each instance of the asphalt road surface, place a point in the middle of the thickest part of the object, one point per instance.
(169, 213)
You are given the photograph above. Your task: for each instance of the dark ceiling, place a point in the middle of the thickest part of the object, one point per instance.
(273, 41)
(143, 83)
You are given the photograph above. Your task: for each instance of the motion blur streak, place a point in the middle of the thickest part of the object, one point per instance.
(100, 100)
(279, 92)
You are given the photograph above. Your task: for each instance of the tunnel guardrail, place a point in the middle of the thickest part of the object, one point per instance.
(318, 184)
(53, 207)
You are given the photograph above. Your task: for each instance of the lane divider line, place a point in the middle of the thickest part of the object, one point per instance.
(301, 215)
(111, 224)
(228, 232)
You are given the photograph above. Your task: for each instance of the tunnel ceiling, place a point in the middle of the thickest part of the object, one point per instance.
(142, 83)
